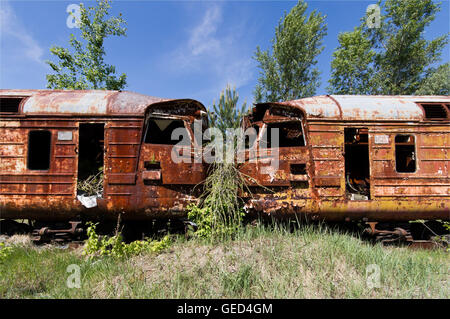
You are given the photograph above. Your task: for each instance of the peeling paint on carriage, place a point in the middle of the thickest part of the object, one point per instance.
(334, 184)
(78, 102)
(51, 193)
(364, 107)
(141, 181)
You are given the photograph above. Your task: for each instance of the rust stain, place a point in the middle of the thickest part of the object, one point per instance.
(325, 142)
(131, 186)
(340, 136)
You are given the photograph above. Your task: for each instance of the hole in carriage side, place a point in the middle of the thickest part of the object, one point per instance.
(90, 158)
(357, 166)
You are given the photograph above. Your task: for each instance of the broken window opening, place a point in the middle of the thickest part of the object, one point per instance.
(357, 167)
(90, 159)
(300, 184)
(152, 165)
(159, 131)
(10, 105)
(298, 169)
(290, 134)
(39, 147)
(405, 157)
(434, 112)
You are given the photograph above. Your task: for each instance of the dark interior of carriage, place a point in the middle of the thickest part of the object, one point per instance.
(10, 104)
(39, 147)
(405, 159)
(90, 154)
(159, 131)
(357, 172)
(290, 134)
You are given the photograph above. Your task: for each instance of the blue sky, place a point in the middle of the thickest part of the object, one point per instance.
(173, 49)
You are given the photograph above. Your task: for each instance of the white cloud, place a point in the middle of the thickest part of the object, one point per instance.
(220, 57)
(11, 26)
(202, 40)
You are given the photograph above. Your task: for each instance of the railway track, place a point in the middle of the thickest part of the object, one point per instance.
(429, 235)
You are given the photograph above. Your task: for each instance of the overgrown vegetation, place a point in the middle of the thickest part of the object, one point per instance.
(261, 262)
(220, 212)
(97, 246)
(443, 240)
(5, 251)
(92, 185)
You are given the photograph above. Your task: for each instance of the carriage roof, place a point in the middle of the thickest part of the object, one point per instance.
(89, 102)
(364, 107)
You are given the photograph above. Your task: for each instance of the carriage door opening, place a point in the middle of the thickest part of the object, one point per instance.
(357, 171)
(90, 159)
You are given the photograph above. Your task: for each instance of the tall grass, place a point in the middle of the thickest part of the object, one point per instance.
(221, 210)
(220, 198)
(263, 261)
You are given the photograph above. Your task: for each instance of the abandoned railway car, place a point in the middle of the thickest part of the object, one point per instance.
(52, 141)
(352, 158)
(336, 158)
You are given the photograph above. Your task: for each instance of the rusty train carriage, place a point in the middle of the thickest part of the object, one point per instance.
(50, 139)
(341, 158)
(346, 158)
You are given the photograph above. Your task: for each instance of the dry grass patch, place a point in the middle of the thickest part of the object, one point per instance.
(19, 240)
(261, 263)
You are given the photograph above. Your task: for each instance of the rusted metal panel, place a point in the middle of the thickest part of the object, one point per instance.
(153, 175)
(379, 107)
(93, 102)
(317, 107)
(363, 107)
(51, 194)
(86, 103)
(327, 181)
(423, 193)
(142, 181)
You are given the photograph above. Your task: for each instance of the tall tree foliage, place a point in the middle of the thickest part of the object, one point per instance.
(84, 67)
(351, 66)
(226, 113)
(394, 58)
(288, 71)
(437, 82)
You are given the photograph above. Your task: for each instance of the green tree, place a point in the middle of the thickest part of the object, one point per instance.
(289, 72)
(85, 68)
(226, 113)
(437, 82)
(351, 65)
(399, 58)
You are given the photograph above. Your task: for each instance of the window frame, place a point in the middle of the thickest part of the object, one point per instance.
(444, 105)
(185, 124)
(415, 153)
(19, 107)
(50, 150)
(266, 125)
